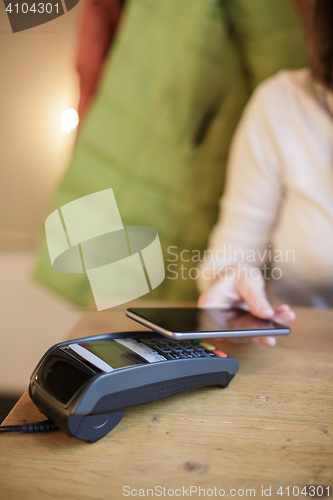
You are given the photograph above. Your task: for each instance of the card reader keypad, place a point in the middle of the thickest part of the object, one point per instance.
(174, 349)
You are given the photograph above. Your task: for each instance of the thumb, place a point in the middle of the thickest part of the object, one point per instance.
(252, 290)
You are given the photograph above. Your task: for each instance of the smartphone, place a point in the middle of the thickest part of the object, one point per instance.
(194, 323)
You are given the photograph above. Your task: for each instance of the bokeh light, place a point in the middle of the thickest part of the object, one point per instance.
(69, 120)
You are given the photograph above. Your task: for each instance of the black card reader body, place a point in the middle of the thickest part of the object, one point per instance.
(85, 385)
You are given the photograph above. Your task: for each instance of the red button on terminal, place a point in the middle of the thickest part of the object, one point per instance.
(220, 354)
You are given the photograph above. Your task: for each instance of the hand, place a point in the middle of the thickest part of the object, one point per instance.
(245, 287)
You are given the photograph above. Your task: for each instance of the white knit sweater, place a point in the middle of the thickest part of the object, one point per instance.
(279, 192)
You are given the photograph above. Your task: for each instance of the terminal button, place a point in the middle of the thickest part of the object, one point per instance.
(207, 346)
(220, 354)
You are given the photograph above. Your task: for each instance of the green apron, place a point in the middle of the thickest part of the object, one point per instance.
(158, 132)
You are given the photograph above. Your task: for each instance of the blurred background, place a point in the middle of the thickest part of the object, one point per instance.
(173, 89)
(38, 83)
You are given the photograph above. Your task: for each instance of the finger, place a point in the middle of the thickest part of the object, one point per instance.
(221, 294)
(253, 292)
(283, 314)
(271, 341)
(282, 307)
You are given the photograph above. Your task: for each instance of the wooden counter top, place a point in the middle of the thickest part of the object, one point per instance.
(271, 427)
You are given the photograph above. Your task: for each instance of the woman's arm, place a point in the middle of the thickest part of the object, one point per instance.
(98, 26)
(249, 211)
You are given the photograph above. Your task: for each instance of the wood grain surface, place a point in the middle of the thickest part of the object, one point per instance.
(271, 428)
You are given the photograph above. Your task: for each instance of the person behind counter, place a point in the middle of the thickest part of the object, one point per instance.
(277, 210)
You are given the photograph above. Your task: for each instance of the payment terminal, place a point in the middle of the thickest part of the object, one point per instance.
(85, 385)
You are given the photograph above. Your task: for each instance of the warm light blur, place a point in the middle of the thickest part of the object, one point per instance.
(69, 120)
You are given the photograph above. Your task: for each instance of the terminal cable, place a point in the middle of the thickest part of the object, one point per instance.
(44, 426)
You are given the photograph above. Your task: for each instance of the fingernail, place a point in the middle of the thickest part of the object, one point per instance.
(266, 310)
(285, 307)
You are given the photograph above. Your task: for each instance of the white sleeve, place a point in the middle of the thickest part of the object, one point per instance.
(249, 207)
